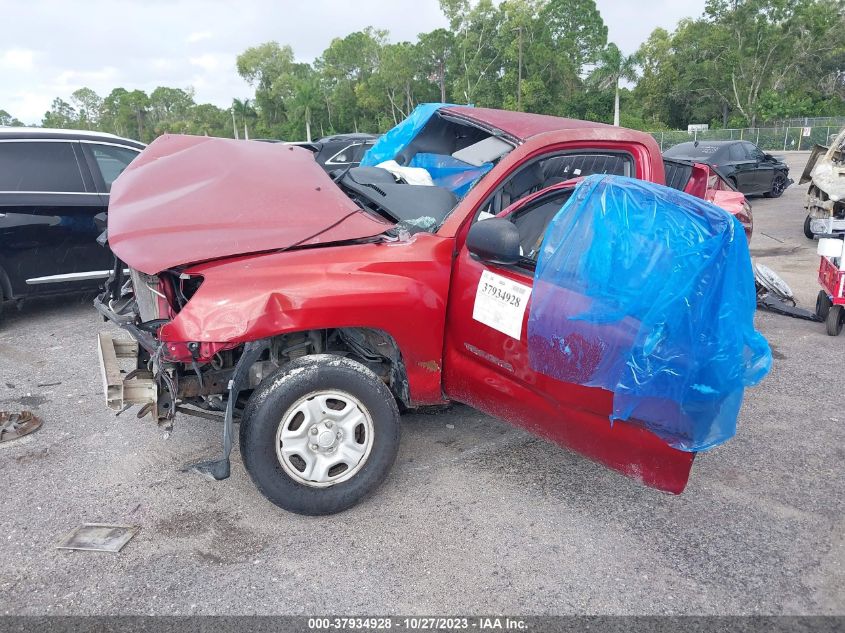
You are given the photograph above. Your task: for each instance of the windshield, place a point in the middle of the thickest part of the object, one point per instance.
(417, 172)
(699, 151)
(417, 207)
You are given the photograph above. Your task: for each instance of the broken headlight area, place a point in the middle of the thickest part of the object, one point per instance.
(150, 370)
(144, 304)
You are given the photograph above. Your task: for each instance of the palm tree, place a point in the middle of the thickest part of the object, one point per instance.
(244, 110)
(306, 100)
(613, 67)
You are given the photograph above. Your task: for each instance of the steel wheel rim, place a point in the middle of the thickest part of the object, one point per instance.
(321, 432)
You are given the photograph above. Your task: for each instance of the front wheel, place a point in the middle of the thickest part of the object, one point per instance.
(835, 320)
(778, 186)
(320, 435)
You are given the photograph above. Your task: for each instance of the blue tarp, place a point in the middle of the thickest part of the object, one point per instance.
(399, 137)
(649, 293)
(446, 171)
(450, 173)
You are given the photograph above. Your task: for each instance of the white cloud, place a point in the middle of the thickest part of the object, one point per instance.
(75, 79)
(17, 59)
(193, 38)
(37, 103)
(161, 63)
(207, 62)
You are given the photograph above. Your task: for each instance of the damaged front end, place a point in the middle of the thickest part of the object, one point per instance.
(196, 378)
(825, 201)
(151, 371)
(163, 374)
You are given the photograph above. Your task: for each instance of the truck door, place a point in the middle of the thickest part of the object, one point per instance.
(486, 362)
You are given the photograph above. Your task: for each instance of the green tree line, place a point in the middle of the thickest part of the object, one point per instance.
(741, 63)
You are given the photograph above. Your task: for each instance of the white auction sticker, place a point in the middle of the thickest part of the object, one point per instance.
(500, 303)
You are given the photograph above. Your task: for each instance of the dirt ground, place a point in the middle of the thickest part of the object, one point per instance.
(476, 517)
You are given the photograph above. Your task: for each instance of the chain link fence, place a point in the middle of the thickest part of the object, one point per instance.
(811, 121)
(769, 139)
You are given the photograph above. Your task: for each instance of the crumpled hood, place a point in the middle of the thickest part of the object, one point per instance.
(188, 199)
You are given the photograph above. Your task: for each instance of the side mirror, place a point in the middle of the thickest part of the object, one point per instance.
(768, 157)
(494, 240)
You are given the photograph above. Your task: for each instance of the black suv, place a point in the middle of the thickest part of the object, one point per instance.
(53, 183)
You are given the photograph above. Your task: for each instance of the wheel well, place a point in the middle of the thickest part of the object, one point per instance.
(375, 349)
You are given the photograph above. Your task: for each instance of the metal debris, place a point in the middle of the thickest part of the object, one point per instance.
(775, 295)
(14, 426)
(98, 537)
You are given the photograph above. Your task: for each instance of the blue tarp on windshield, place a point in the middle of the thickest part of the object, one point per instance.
(649, 293)
(449, 172)
(399, 137)
(446, 171)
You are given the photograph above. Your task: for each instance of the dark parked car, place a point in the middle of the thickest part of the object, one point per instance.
(53, 183)
(340, 150)
(743, 164)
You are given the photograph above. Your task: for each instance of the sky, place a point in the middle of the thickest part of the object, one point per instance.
(50, 48)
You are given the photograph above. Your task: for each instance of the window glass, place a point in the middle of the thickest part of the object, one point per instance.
(39, 166)
(579, 165)
(754, 152)
(678, 174)
(359, 151)
(738, 152)
(342, 157)
(554, 170)
(112, 161)
(533, 222)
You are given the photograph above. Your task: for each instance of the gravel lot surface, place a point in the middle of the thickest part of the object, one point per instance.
(476, 517)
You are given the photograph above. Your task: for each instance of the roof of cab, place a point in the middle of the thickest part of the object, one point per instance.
(521, 125)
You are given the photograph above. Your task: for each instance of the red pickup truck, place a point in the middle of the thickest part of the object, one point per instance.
(315, 306)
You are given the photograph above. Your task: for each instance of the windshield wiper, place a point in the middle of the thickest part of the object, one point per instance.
(343, 173)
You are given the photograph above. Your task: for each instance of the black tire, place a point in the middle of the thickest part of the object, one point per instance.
(835, 320)
(808, 233)
(823, 304)
(273, 400)
(778, 186)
